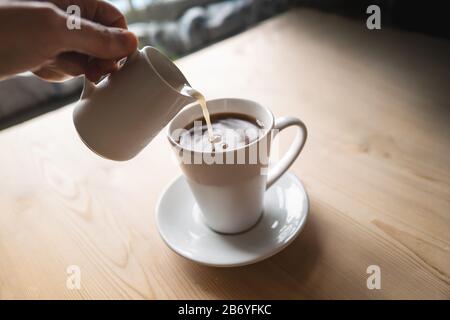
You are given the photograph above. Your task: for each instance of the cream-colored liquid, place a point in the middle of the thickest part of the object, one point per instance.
(202, 102)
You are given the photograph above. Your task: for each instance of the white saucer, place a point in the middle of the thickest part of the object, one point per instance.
(180, 224)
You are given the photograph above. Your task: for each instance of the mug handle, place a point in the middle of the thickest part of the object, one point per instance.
(294, 150)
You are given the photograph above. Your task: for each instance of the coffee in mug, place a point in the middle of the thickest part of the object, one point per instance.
(230, 130)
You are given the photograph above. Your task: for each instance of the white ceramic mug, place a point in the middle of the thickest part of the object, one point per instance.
(231, 196)
(120, 115)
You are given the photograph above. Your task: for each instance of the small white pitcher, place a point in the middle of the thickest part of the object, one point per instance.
(120, 115)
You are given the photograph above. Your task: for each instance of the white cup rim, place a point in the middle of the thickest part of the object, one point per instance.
(194, 106)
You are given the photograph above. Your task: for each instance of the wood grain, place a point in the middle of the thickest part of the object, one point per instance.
(376, 167)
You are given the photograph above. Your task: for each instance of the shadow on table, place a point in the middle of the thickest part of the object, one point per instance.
(283, 276)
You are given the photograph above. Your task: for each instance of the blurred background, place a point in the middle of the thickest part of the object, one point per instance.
(179, 27)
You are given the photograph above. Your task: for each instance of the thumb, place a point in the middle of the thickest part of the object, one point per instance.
(103, 42)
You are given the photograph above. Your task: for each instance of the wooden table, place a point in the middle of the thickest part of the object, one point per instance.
(376, 167)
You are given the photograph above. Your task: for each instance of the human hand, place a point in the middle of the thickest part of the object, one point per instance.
(34, 36)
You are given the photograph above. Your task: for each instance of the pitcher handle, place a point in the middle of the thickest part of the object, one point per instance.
(88, 88)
